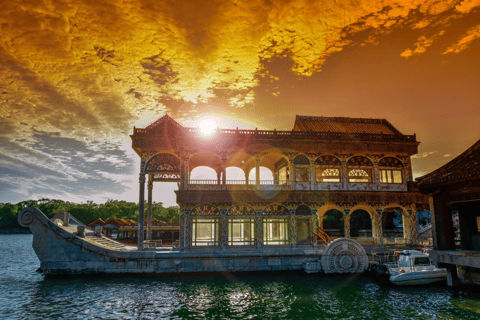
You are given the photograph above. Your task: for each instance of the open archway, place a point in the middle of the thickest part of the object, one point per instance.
(266, 176)
(392, 224)
(360, 224)
(333, 223)
(234, 175)
(203, 174)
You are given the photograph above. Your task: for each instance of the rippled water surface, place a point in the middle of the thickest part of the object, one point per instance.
(26, 294)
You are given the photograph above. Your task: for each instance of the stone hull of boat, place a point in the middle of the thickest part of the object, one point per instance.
(62, 252)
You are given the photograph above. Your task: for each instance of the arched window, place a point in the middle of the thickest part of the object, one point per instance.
(205, 226)
(275, 225)
(359, 169)
(390, 170)
(301, 163)
(241, 225)
(328, 169)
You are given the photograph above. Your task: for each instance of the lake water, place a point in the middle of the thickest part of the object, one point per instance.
(26, 294)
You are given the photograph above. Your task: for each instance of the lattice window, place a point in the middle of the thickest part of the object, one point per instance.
(391, 176)
(166, 176)
(358, 175)
(275, 231)
(241, 232)
(205, 210)
(240, 210)
(276, 210)
(328, 175)
(205, 232)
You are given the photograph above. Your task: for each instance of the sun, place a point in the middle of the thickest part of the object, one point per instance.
(207, 129)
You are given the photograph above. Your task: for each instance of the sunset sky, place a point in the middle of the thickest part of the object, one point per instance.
(77, 75)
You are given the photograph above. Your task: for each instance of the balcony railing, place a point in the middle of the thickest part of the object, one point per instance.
(197, 184)
(239, 182)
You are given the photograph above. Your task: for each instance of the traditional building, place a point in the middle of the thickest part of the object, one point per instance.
(454, 192)
(341, 167)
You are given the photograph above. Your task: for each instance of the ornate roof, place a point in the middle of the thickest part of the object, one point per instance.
(464, 168)
(350, 125)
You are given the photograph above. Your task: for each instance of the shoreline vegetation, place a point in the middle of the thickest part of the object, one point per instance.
(85, 212)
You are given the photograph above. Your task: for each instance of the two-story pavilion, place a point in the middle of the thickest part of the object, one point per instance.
(346, 167)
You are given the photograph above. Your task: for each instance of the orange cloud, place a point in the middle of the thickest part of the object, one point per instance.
(464, 42)
(91, 68)
(421, 45)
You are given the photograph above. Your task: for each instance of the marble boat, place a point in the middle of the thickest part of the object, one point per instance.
(65, 246)
(414, 268)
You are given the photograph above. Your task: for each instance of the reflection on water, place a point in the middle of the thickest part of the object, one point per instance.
(27, 294)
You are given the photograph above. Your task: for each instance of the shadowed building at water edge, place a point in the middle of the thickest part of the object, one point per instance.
(454, 192)
(355, 171)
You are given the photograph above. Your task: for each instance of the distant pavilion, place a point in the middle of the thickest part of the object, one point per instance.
(344, 168)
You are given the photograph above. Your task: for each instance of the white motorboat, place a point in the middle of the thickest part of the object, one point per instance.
(415, 267)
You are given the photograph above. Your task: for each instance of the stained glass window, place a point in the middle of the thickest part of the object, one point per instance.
(358, 175)
(328, 175)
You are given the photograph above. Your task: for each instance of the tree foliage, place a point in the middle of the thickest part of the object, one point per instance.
(85, 212)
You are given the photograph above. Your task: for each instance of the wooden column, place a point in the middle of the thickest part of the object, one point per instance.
(149, 207)
(442, 225)
(141, 208)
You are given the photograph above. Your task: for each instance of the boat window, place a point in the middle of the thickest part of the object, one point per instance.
(424, 261)
(275, 231)
(205, 232)
(403, 261)
(241, 231)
